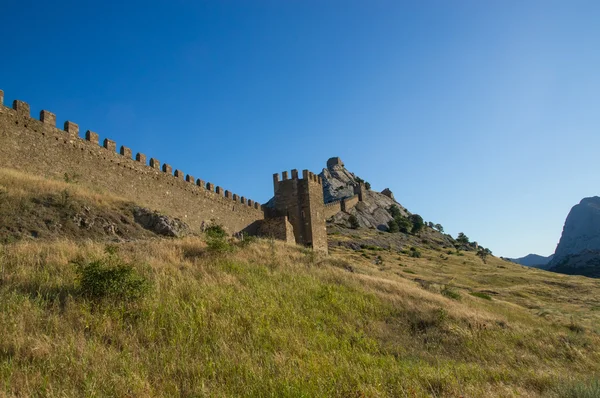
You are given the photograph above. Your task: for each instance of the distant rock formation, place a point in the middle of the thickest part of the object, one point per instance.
(578, 251)
(533, 260)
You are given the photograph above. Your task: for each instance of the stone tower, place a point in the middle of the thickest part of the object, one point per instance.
(301, 200)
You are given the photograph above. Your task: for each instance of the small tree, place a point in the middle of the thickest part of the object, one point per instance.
(439, 228)
(430, 224)
(462, 238)
(393, 226)
(394, 211)
(353, 221)
(483, 253)
(417, 223)
(367, 185)
(404, 224)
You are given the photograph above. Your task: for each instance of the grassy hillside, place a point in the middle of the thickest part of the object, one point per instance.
(265, 319)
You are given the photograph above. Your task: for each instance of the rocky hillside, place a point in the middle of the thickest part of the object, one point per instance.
(578, 251)
(372, 214)
(339, 183)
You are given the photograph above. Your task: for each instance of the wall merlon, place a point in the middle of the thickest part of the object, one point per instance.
(250, 202)
(91, 137)
(219, 191)
(243, 200)
(22, 108)
(236, 197)
(284, 176)
(257, 205)
(189, 178)
(210, 187)
(140, 157)
(228, 194)
(125, 152)
(294, 174)
(154, 163)
(71, 128)
(200, 183)
(305, 174)
(166, 168)
(1, 97)
(110, 145)
(179, 174)
(47, 117)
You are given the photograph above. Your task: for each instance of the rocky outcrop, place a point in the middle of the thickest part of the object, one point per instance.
(371, 212)
(159, 223)
(579, 245)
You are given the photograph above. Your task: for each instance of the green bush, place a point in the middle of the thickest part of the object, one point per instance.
(216, 239)
(417, 223)
(110, 278)
(393, 227)
(215, 231)
(414, 252)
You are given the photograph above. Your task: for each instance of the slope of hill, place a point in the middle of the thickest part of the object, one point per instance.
(261, 318)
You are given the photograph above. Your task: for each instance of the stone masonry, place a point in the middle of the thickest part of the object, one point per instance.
(39, 147)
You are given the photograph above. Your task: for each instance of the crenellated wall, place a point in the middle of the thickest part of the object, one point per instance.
(350, 202)
(38, 146)
(332, 208)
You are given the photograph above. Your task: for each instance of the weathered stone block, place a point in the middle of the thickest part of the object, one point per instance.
(154, 163)
(22, 108)
(110, 145)
(91, 137)
(140, 157)
(71, 128)
(48, 118)
(125, 152)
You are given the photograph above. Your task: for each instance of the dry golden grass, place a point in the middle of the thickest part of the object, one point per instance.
(274, 320)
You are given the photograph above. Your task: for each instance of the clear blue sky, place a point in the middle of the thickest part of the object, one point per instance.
(483, 116)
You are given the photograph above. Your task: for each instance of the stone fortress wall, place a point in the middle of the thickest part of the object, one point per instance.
(39, 147)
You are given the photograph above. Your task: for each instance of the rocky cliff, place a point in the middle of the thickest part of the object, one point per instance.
(579, 248)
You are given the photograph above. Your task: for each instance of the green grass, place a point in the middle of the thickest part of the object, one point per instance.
(481, 295)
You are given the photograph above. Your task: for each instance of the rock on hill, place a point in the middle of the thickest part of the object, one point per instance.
(339, 183)
(578, 251)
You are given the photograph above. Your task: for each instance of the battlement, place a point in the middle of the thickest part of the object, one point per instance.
(38, 146)
(48, 119)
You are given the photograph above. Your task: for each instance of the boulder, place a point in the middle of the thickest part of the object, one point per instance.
(159, 223)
